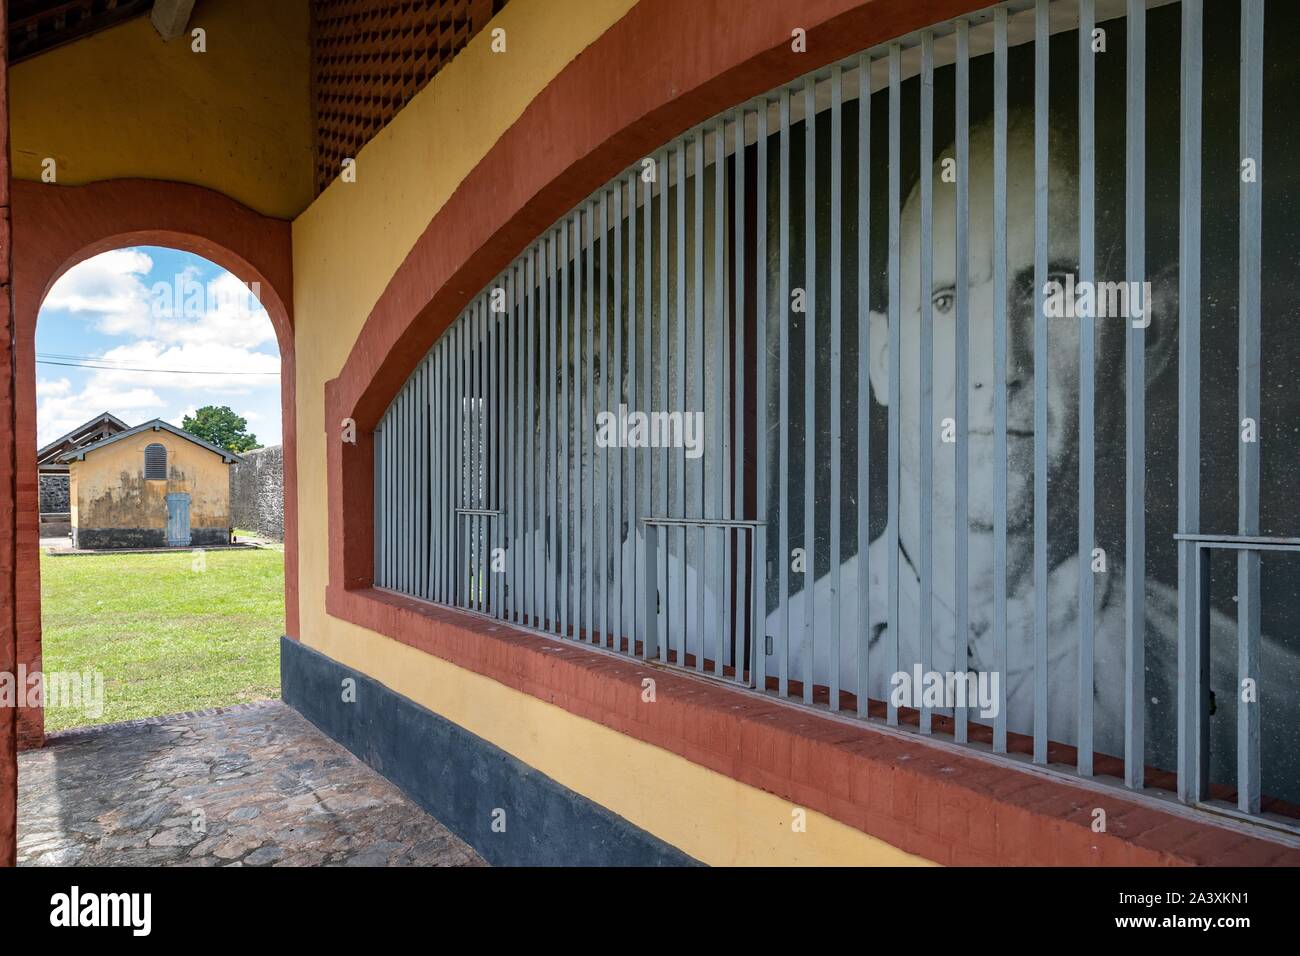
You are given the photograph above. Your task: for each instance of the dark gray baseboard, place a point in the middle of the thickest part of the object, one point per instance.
(460, 778)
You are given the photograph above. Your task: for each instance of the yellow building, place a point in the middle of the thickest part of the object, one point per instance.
(151, 486)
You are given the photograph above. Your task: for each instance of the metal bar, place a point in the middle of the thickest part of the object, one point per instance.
(837, 334)
(579, 430)
(809, 385)
(615, 400)
(377, 440)
(564, 510)
(602, 483)
(738, 236)
(530, 448)
(895, 349)
(783, 386)
(588, 509)
(1248, 403)
(458, 439)
(758, 630)
(1135, 417)
(1042, 39)
(661, 597)
(515, 431)
(637, 588)
(864, 382)
(422, 460)
(1000, 373)
(698, 367)
(646, 599)
(1087, 366)
(926, 415)
(680, 473)
(961, 524)
(719, 351)
(478, 479)
(549, 400)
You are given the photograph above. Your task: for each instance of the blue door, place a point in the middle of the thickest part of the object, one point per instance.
(178, 520)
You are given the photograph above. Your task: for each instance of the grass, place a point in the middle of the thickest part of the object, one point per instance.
(166, 638)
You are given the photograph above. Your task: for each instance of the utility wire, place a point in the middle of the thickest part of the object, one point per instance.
(124, 368)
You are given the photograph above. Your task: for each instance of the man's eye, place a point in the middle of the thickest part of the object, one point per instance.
(944, 301)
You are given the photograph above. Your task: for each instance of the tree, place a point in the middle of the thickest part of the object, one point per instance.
(219, 425)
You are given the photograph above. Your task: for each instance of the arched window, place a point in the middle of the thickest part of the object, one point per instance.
(155, 462)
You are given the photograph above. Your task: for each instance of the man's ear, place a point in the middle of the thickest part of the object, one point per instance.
(879, 357)
(1162, 333)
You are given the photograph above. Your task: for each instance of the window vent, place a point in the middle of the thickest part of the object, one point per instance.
(155, 462)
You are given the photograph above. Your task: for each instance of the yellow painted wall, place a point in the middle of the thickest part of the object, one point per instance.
(347, 246)
(109, 490)
(122, 103)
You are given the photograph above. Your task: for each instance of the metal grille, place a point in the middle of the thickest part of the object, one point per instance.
(155, 462)
(903, 464)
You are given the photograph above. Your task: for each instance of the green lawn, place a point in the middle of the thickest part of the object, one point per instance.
(166, 638)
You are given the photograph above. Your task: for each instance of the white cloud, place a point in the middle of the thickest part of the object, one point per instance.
(62, 410)
(108, 287)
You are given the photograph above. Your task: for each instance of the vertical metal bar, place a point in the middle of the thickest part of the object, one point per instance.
(515, 431)
(698, 367)
(719, 353)
(436, 434)
(864, 383)
(661, 598)
(562, 462)
(809, 385)
(1087, 374)
(837, 465)
(926, 415)
(579, 429)
(499, 503)
(476, 438)
(758, 629)
(530, 453)
(895, 349)
(422, 485)
(588, 509)
(1248, 402)
(1191, 693)
(602, 483)
(961, 524)
(647, 600)
(783, 384)
(458, 437)
(1042, 39)
(378, 515)
(549, 518)
(636, 588)
(1000, 373)
(1135, 418)
(680, 474)
(738, 237)
(615, 400)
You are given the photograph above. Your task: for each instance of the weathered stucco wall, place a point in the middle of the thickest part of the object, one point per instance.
(257, 492)
(115, 506)
(122, 103)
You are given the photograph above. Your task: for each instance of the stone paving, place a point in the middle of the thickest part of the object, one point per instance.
(251, 785)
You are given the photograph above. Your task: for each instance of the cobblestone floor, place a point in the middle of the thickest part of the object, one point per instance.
(252, 785)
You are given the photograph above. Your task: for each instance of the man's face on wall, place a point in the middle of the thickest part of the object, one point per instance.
(1063, 372)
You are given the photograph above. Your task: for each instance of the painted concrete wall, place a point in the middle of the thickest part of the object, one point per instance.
(347, 246)
(122, 103)
(114, 505)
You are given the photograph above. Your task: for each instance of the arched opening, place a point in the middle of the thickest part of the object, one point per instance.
(161, 489)
(55, 229)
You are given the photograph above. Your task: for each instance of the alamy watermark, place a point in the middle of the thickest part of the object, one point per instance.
(972, 689)
(1101, 300)
(81, 691)
(624, 429)
(187, 297)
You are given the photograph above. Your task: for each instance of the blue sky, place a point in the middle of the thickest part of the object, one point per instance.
(168, 332)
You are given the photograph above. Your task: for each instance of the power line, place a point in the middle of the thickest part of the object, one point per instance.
(124, 368)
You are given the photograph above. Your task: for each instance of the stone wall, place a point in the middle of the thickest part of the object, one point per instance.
(54, 494)
(257, 492)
